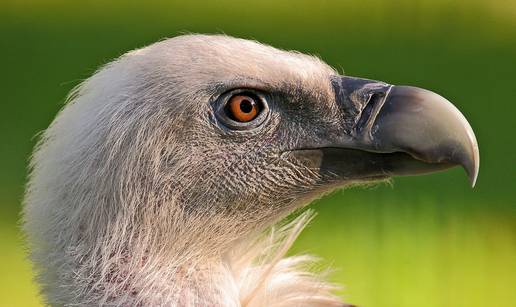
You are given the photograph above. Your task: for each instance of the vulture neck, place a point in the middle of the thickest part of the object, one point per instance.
(252, 272)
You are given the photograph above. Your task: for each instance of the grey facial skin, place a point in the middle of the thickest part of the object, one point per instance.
(398, 130)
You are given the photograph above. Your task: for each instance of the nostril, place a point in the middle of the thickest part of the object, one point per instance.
(372, 104)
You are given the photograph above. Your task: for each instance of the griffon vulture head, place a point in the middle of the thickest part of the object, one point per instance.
(155, 183)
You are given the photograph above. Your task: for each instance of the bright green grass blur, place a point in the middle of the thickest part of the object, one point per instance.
(422, 241)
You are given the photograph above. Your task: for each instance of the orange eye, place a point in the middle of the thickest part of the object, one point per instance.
(243, 108)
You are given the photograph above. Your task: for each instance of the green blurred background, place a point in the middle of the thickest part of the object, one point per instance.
(422, 241)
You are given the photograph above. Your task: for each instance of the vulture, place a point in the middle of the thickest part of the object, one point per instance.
(170, 176)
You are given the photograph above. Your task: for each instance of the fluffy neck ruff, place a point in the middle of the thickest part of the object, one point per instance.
(253, 272)
(265, 277)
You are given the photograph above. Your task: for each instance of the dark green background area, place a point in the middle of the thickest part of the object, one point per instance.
(421, 241)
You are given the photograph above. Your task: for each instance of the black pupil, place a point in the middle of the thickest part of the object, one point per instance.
(246, 106)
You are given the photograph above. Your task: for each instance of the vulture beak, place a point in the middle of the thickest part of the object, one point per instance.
(400, 130)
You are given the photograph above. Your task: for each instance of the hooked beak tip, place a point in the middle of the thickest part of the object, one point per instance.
(429, 127)
(472, 168)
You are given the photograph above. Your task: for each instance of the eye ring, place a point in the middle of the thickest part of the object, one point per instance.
(242, 109)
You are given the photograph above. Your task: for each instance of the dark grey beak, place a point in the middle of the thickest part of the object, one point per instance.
(403, 130)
